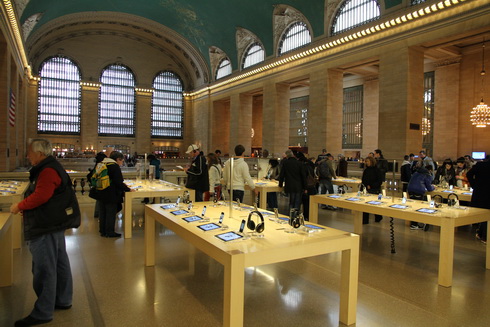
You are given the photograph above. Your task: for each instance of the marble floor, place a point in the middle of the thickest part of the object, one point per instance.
(112, 287)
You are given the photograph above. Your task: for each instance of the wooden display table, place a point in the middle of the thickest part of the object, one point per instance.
(447, 218)
(265, 186)
(147, 189)
(13, 192)
(6, 249)
(350, 182)
(463, 195)
(276, 246)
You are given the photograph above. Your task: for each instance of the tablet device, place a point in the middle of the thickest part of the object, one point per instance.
(353, 199)
(228, 236)
(398, 206)
(283, 218)
(334, 196)
(467, 193)
(425, 210)
(210, 226)
(314, 226)
(192, 218)
(168, 206)
(179, 212)
(447, 191)
(374, 202)
(266, 213)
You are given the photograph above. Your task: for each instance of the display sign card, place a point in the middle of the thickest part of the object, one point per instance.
(425, 210)
(179, 212)
(168, 206)
(208, 227)
(228, 236)
(398, 206)
(192, 219)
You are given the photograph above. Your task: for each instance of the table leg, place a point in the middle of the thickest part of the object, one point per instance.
(234, 291)
(313, 210)
(349, 283)
(6, 255)
(149, 239)
(128, 218)
(357, 222)
(17, 231)
(263, 199)
(446, 253)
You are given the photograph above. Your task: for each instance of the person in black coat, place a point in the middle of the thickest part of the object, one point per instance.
(293, 176)
(111, 199)
(381, 163)
(479, 179)
(372, 179)
(446, 173)
(406, 172)
(197, 173)
(309, 168)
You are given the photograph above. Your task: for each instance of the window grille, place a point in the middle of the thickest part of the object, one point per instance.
(352, 117)
(255, 54)
(428, 114)
(59, 95)
(295, 36)
(117, 102)
(224, 68)
(298, 121)
(167, 110)
(354, 13)
(416, 2)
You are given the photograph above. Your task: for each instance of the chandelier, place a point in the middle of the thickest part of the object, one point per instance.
(480, 115)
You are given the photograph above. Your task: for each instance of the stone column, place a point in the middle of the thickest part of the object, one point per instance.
(241, 122)
(275, 118)
(446, 108)
(401, 101)
(142, 135)
(89, 119)
(370, 120)
(220, 126)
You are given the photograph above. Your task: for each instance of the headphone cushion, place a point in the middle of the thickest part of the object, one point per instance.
(251, 224)
(260, 228)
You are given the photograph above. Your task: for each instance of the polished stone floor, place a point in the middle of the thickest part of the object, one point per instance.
(113, 287)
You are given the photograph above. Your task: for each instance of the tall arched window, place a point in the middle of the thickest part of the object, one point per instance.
(255, 54)
(167, 109)
(295, 36)
(117, 101)
(59, 95)
(224, 68)
(354, 13)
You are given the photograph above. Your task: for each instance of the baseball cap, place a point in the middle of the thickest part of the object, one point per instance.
(191, 148)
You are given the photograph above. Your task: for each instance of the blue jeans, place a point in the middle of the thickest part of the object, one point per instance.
(295, 201)
(52, 279)
(324, 186)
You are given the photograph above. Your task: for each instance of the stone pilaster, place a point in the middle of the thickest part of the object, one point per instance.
(275, 117)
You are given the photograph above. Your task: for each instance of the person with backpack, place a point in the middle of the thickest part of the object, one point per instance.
(49, 208)
(98, 158)
(197, 173)
(109, 186)
(215, 174)
(311, 182)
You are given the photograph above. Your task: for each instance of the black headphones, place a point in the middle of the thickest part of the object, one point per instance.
(437, 205)
(294, 219)
(452, 202)
(259, 228)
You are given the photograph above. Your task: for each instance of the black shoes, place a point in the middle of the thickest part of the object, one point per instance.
(62, 307)
(110, 235)
(30, 321)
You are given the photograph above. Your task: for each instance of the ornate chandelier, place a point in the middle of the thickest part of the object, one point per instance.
(480, 115)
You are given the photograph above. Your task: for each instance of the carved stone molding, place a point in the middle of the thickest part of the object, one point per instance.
(447, 61)
(20, 5)
(215, 57)
(284, 16)
(244, 38)
(331, 7)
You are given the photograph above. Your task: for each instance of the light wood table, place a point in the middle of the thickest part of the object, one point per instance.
(6, 249)
(463, 195)
(350, 182)
(147, 189)
(265, 186)
(276, 246)
(448, 218)
(13, 192)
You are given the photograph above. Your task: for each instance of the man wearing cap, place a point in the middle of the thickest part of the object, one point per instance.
(197, 173)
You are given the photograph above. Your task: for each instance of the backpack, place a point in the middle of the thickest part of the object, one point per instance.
(324, 171)
(100, 176)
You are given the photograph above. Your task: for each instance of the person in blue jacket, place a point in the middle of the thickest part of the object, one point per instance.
(420, 183)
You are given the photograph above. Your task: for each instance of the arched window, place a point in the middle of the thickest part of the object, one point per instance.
(224, 68)
(117, 102)
(295, 36)
(59, 97)
(354, 13)
(167, 109)
(255, 54)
